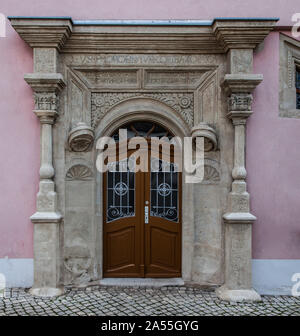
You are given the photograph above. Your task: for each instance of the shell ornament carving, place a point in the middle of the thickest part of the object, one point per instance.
(211, 175)
(79, 172)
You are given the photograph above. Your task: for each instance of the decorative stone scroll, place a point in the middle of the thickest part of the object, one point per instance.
(81, 138)
(181, 102)
(209, 135)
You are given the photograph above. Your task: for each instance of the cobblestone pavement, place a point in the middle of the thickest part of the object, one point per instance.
(126, 301)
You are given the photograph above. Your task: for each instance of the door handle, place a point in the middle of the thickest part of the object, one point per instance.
(146, 214)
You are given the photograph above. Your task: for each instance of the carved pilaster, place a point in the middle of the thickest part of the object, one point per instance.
(238, 219)
(46, 88)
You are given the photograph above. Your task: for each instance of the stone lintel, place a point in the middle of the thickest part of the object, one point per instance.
(46, 217)
(43, 32)
(239, 218)
(241, 83)
(45, 82)
(242, 33)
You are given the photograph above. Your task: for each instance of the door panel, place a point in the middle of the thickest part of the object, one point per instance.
(123, 233)
(163, 232)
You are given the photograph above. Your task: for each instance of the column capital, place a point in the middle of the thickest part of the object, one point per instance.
(46, 116)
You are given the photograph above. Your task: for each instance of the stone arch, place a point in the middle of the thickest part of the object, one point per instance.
(140, 108)
(149, 110)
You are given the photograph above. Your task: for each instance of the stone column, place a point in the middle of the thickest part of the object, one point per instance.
(47, 37)
(46, 87)
(238, 38)
(239, 85)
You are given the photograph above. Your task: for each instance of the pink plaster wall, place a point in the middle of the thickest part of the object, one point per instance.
(273, 143)
(273, 164)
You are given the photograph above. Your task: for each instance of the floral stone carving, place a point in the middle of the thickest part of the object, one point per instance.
(181, 102)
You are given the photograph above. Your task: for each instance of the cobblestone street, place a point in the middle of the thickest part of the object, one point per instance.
(116, 301)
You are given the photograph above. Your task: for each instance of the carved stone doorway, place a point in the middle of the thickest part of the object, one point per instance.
(90, 78)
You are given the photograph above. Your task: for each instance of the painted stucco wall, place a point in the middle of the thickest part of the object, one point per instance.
(273, 143)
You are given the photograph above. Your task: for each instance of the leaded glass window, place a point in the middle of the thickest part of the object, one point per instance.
(164, 190)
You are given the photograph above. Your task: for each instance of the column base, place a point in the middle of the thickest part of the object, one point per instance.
(237, 295)
(46, 291)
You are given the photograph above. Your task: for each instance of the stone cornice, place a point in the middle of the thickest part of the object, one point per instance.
(215, 36)
(242, 33)
(45, 82)
(241, 83)
(43, 32)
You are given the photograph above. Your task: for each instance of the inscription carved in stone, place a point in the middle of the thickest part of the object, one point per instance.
(181, 102)
(142, 59)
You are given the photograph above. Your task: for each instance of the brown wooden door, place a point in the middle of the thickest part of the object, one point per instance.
(142, 222)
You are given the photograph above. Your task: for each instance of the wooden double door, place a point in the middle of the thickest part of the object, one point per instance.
(142, 220)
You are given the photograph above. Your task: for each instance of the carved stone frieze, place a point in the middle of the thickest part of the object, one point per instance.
(240, 102)
(181, 102)
(46, 101)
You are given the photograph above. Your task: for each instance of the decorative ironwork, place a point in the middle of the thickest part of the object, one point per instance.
(164, 188)
(143, 129)
(120, 191)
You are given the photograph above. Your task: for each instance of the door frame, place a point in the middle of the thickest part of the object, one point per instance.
(136, 109)
(143, 181)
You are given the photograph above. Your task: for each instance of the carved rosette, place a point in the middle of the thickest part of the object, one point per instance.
(81, 138)
(208, 133)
